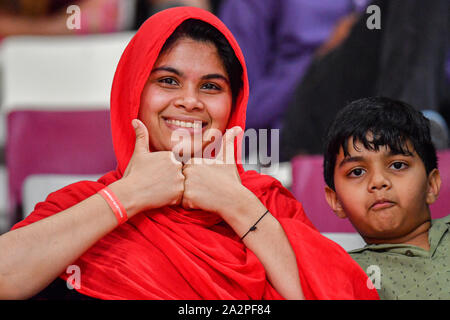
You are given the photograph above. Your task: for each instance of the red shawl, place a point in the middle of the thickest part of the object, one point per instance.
(171, 253)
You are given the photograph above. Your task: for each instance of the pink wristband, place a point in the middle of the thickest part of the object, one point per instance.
(114, 203)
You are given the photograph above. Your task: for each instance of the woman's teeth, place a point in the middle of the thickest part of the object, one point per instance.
(185, 124)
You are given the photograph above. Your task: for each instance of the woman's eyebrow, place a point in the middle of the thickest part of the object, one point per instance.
(215, 76)
(168, 69)
(179, 73)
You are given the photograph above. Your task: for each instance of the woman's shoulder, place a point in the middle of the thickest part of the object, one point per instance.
(277, 198)
(256, 181)
(262, 184)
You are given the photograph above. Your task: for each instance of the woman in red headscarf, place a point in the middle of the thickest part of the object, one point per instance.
(190, 232)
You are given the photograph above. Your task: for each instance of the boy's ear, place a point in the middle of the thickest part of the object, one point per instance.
(434, 186)
(334, 203)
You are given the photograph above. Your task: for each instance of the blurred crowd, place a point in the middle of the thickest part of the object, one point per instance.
(306, 59)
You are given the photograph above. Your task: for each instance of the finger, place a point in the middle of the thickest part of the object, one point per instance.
(174, 160)
(188, 163)
(186, 203)
(193, 161)
(226, 151)
(177, 201)
(142, 139)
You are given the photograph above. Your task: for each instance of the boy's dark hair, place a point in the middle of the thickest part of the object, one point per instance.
(392, 123)
(201, 31)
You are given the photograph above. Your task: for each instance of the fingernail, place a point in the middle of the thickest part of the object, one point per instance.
(134, 123)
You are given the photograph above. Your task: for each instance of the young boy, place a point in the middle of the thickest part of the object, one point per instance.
(380, 168)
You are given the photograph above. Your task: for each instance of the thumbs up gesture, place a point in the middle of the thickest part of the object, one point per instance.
(153, 179)
(213, 184)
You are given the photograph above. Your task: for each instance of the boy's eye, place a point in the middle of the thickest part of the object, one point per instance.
(356, 172)
(399, 165)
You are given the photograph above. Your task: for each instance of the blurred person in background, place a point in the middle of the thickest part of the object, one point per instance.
(146, 8)
(279, 39)
(49, 17)
(406, 59)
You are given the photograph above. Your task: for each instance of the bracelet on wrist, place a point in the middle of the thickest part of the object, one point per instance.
(115, 205)
(253, 228)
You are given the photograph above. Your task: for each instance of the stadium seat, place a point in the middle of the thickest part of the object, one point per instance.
(54, 72)
(441, 207)
(37, 187)
(347, 240)
(58, 142)
(56, 100)
(308, 187)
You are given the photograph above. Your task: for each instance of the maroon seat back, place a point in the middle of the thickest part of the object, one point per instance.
(308, 186)
(441, 207)
(58, 142)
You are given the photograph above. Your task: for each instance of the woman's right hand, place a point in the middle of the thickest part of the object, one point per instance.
(151, 179)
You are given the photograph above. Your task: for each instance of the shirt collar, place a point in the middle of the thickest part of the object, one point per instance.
(437, 231)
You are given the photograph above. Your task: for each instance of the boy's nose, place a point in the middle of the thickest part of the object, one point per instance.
(379, 181)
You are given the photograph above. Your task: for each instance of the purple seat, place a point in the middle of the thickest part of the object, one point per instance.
(308, 187)
(58, 142)
(441, 207)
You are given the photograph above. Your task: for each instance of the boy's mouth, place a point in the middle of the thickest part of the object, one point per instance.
(381, 204)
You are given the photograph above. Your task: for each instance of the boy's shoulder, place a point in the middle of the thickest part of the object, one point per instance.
(444, 220)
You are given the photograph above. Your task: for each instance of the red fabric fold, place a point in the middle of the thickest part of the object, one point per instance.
(172, 253)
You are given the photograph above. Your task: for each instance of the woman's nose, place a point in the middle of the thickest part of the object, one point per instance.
(189, 100)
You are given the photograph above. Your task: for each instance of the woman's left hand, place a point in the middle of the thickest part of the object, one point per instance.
(213, 184)
(216, 187)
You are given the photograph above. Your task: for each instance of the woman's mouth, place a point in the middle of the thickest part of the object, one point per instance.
(185, 124)
(193, 125)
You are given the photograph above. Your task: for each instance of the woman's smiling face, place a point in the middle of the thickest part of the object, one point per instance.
(188, 89)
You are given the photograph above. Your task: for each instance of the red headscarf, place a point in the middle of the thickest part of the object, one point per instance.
(172, 253)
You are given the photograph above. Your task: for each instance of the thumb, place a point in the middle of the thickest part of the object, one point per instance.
(226, 151)
(142, 140)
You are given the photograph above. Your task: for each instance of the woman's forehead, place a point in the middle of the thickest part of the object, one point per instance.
(189, 53)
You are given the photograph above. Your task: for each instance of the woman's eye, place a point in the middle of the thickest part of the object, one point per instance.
(399, 165)
(210, 86)
(356, 172)
(169, 81)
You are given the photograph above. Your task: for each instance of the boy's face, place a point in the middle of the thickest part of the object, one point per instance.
(385, 195)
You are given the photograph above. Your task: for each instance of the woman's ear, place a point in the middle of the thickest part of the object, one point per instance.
(434, 186)
(334, 203)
